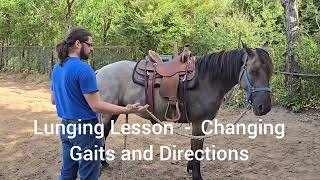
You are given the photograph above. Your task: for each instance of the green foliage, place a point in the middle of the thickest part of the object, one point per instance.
(293, 103)
(30, 22)
(163, 25)
(238, 100)
(14, 64)
(310, 63)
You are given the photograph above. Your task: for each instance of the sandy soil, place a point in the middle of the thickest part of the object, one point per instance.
(24, 155)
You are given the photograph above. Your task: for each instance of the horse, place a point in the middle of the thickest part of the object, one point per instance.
(216, 74)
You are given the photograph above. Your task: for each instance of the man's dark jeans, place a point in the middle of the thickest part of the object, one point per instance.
(88, 169)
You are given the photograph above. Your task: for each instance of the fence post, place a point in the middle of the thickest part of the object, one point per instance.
(51, 64)
(24, 61)
(5, 60)
(134, 54)
(175, 49)
(93, 64)
(1, 58)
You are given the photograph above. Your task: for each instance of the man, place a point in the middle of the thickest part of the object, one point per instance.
(76, 96)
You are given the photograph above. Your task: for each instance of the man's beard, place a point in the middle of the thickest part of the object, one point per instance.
(83, 54)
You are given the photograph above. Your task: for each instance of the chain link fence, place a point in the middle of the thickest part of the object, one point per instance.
(102, 56)
(40, 59)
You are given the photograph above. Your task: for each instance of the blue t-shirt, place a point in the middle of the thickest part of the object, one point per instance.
(69, 83)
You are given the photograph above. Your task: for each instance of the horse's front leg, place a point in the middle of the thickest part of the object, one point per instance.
(194, 165)
(196, 144)
(106, 121)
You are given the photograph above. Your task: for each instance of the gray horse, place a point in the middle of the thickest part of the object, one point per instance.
(216, 74)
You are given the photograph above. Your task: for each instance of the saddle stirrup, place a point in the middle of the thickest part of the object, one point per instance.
(178, 114)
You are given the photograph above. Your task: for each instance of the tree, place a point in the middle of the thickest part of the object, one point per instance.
(68, 14)
(292, 59)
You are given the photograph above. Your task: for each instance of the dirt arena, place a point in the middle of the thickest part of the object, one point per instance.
(24, 155)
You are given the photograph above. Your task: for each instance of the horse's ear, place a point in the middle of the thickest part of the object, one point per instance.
(266, 47)
(249, 52)
(247, 49)
(245, 46)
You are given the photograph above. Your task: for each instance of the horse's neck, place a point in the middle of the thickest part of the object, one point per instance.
(228, 85)
(221, 85)
(218, 87)
(208, 97)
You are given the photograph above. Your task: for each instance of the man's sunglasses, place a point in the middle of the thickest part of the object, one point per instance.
(89, 44)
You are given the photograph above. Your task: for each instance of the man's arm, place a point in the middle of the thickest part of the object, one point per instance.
(88, 86)
(97, 105)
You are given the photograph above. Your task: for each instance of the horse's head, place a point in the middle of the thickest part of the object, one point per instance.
(254, 78)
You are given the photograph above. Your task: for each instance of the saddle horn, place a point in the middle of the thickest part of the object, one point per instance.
(186, 54)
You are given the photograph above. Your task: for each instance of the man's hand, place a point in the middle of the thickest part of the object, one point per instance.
(136, 108)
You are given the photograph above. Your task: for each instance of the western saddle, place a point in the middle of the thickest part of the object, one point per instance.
(171, 77)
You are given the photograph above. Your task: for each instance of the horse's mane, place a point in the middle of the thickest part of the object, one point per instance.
(226, 65)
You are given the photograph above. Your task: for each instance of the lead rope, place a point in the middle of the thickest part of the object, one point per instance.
(197, 137)
(125, 139)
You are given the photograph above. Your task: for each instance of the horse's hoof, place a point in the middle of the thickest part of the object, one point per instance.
(104, 164)
(189, 167)
(197, 178)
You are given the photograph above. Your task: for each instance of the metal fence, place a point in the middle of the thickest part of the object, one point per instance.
(40, 59)
(104, 55)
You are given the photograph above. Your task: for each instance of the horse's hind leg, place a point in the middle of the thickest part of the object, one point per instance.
(107, 121)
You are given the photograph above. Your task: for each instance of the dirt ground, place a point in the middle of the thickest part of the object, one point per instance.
(24, 155)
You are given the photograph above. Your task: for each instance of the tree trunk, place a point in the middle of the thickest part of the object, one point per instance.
(7, 29)
(68, 14)
(292, 60)
(106, 27)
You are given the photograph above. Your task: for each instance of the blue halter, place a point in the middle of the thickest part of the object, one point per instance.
(251, 89)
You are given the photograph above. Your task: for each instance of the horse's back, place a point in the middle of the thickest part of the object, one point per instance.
(116, 85)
